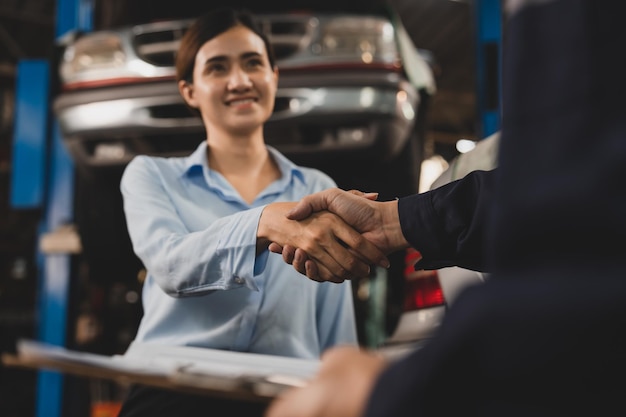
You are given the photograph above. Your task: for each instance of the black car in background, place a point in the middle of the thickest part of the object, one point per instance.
(352, 98)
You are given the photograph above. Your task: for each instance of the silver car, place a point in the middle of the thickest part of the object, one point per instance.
(346, 102)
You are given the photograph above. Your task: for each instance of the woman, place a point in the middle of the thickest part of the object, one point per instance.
(201, 224)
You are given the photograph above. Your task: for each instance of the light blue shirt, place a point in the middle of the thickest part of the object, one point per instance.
(205, 286)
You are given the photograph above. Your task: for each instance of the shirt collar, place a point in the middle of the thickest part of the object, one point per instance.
(287, 168)
(198, 161)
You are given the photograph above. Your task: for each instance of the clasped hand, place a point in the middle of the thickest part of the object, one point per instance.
(333, 235)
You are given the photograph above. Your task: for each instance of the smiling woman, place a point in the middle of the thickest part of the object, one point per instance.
(201, 225)
(344, 104)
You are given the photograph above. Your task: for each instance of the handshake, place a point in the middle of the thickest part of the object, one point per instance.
(332, 235)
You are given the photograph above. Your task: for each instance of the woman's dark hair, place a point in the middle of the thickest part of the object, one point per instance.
(207, 27)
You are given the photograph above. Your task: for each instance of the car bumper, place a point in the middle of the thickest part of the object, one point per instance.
(308, 121)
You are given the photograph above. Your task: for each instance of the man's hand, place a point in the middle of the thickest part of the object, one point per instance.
(377, 221)
(354, 207)
(339, 252)
(341, 387)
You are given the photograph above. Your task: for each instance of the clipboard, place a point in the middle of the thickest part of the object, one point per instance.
(236, 375)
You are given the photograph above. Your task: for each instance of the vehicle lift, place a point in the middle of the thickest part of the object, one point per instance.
(43, 178)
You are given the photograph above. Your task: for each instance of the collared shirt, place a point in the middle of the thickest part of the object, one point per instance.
(205, 286)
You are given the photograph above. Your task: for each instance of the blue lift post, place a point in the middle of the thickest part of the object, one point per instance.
(488, 19)
(43, 177)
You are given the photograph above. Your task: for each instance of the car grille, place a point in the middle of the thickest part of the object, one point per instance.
(157, 43)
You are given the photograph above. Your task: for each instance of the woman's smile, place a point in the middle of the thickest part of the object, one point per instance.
(241, 103)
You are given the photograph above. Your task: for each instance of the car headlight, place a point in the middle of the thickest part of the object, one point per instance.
(97, 52)
(366, 40)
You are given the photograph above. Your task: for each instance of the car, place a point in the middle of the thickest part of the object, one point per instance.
(346, 103)
(428, 294)
(352, 101)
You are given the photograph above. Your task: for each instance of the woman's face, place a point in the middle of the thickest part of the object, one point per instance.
(234, 84)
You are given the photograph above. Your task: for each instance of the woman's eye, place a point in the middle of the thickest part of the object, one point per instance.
(255, 63)
(216, 68)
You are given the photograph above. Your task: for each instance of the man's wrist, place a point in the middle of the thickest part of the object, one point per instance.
(391, 227)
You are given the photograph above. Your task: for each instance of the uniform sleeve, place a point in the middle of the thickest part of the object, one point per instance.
(186, 263)
(447, 225)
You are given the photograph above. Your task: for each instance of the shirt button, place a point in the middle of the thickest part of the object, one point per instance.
(239, 280)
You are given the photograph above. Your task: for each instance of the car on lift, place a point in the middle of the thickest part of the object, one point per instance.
(352, 100)
(352, 94)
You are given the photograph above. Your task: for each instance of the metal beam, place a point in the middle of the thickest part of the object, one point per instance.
(488, 19)
(30, 134)
(55, 276)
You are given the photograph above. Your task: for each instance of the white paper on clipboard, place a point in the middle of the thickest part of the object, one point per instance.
(246, 376)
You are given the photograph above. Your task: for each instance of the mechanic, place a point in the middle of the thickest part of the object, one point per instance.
(543, 336)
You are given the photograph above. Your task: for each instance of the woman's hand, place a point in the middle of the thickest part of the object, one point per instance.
(339, 251)
(378, 222)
